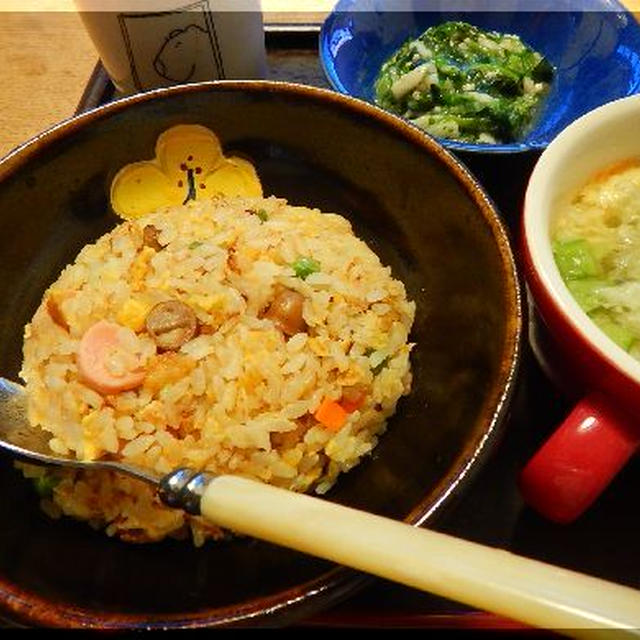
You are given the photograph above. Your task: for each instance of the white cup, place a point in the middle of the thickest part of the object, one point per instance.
(145, 44)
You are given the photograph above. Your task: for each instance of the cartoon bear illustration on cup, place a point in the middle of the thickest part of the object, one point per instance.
(177, 60)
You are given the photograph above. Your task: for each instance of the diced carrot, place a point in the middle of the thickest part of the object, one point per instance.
(331, 415)
(100, 343)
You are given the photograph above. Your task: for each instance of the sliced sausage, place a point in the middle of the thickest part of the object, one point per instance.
(104, 364)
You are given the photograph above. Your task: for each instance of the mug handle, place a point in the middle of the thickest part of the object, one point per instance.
(582, 456)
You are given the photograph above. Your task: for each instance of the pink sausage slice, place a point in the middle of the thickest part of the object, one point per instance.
(103, 362)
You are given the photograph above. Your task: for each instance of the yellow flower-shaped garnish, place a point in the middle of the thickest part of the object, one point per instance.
(188, 165)
(234, 177)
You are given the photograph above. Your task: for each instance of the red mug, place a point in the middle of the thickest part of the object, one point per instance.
(602, 431)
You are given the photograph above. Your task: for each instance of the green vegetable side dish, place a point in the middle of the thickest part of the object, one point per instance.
(460, 82)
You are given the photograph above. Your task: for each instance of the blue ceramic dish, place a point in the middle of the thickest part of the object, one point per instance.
(594, 46)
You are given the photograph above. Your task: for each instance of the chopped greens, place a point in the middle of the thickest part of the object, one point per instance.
(45, 484)
(261, 214)
(380, 366)
(620, 334)
(378, 359)
(304, 267)
(457, 81)
(575, 259)
(586, 291)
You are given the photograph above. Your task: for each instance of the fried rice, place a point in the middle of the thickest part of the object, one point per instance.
(241, 391)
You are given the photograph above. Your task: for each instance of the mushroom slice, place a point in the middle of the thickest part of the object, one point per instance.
(150, 237)
(171, 324)
(286, 312)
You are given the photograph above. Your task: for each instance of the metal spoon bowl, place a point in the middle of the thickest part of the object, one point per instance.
(180, 489)
(29, 444)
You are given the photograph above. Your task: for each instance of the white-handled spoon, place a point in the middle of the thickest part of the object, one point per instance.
(483, 577)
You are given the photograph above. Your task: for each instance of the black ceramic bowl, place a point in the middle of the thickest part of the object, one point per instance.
(417, 207)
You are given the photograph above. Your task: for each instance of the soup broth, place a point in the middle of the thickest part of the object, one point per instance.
(596, 247)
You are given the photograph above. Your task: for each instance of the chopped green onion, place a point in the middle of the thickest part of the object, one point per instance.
(44, 485)
(195, 244)
(304, 267)
(262, 214)
(379, 367)
(378, 360)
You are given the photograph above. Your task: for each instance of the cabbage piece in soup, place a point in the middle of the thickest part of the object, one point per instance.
(596, 247)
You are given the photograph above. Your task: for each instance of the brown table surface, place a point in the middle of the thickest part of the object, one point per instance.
(46, 59)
